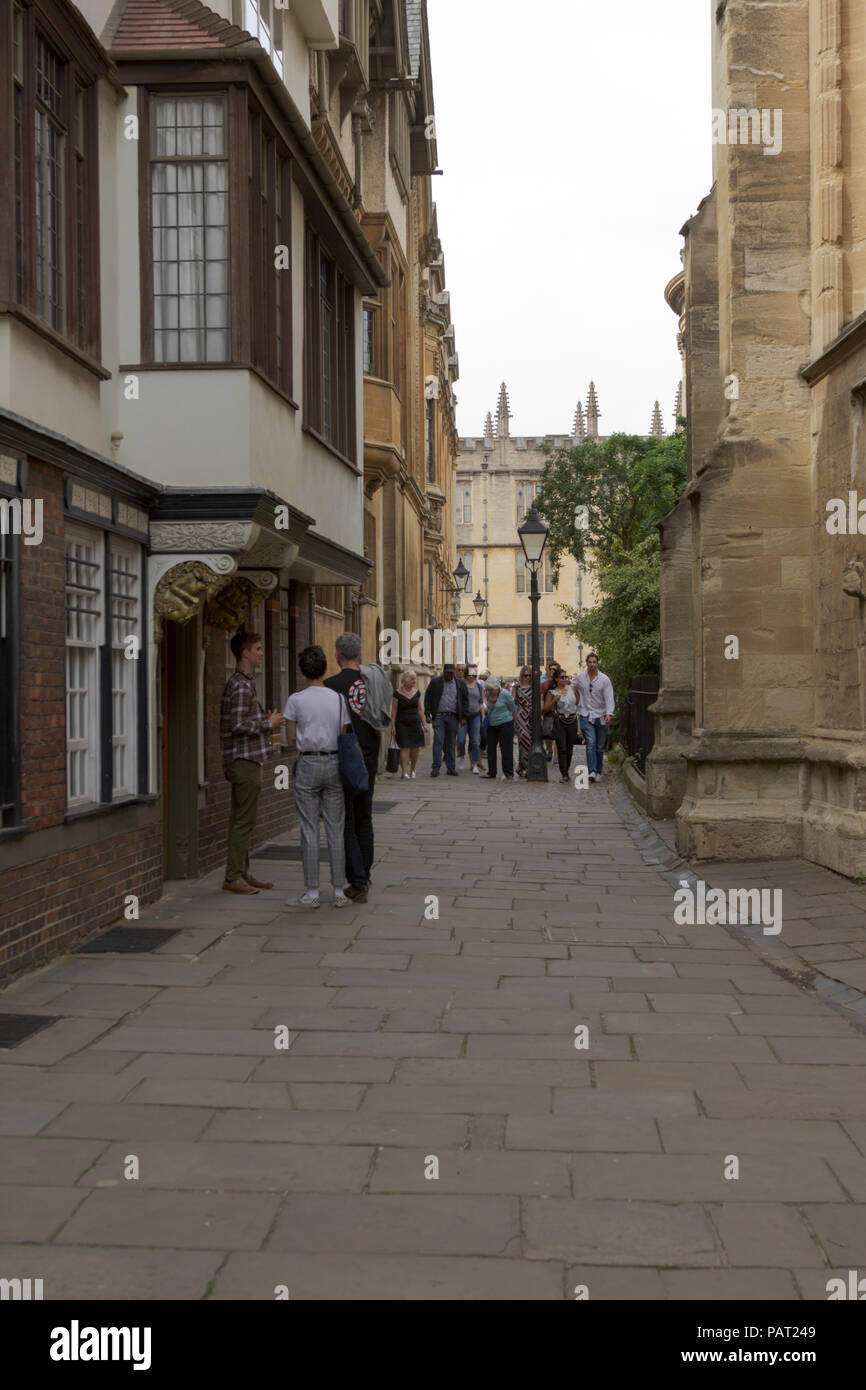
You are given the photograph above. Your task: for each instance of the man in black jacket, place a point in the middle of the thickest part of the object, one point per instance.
(445, 702)
(358, 833)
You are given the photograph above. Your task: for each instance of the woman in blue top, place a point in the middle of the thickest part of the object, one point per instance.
(500, 729)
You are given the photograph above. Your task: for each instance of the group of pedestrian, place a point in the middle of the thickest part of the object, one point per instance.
(461, 706)
(357, 700)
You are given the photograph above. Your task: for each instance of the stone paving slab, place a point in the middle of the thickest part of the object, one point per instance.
(451, 1039)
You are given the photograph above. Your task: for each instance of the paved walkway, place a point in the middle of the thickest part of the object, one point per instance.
(449, 1043)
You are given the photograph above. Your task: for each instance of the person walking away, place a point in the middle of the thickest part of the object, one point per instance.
(315, 718)
(522, 695)
(552, 668)
(595, 708)
(352, 683)
(483, 678)
(561, 702)
(500, 730)
(245, 742)
(471, 727)
(407, 729)
(460, 675)
(445, 705)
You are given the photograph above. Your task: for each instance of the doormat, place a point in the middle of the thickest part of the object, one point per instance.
(124, 941)
(16, 1028)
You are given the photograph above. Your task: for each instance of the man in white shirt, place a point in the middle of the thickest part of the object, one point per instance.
(595, 706)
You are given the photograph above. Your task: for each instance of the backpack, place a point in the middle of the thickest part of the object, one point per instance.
(380, 694)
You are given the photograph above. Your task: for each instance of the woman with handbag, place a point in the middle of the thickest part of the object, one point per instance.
(315, 720)
(560, 704)
(522, 694)
(407, 731)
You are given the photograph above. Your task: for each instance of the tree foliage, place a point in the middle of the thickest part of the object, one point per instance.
(626, 484)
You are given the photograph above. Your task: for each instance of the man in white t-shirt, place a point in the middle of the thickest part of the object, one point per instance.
(596, 707)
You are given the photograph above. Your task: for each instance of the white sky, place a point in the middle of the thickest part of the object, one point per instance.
(575, 139)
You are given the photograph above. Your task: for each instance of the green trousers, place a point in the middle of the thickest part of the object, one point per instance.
(246, 783)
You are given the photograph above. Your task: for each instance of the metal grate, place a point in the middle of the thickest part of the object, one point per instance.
(127, 940)
(16, 1028)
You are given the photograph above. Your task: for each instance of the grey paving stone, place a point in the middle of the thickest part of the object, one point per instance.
(104, 1001)
(456, 1099)
(120, 970)
(624, 1133)
(825, 1025)
(399, 1224)
(766, 1235)
(548, 1045)
(700, 1177)
(54, 1043)
(320, 1096)
(183, 1067)
(717, 1047)
(672, 1023)
(24, 1117)
(339, 1127)
(358, 960)
(237, 1167)
(213, 1094)
(394, 1045)
(34, 1213)
(506, 1070)
(629, 1233)
(850, 1050)
(673, 1076)
(129, 1215)
(90, 1274)
(514, 1020)
(325, 1069)
(472, 1171)
(130, 1122)
(833, 1103)
(364, 998)
(241, 1042)
(618, 1104)
(388, 1278)
(769, 1137)
(842, 1232)
(94, 1063)
(35, 1084)
(720, 1285)
(800, 1079)
(47, 1162)
(631, 970)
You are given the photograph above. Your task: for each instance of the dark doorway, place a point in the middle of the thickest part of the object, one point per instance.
(180, 739)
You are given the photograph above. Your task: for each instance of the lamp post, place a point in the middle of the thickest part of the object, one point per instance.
(533, 534)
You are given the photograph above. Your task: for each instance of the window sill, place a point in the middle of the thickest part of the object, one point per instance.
(9, 832)
(210, 367)
(56, 339)
(102, 808)
(332, 449)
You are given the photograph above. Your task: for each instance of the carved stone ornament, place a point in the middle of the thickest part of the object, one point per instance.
(854, 579)
(183, 588)
(228, 608)
(199, 535)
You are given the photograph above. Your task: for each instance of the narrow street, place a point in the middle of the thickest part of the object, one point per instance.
(419, 1043)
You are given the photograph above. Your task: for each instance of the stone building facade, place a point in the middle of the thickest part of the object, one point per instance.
(186, 257)
(761, 717)
(498, 478)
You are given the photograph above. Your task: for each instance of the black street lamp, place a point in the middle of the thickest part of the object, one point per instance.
(480, 603)
(461, 575)
(533, 534)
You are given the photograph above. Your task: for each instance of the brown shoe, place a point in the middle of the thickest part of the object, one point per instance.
(254, 882)
(239, 886)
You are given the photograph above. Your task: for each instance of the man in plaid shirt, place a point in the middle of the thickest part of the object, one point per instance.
(245, 740)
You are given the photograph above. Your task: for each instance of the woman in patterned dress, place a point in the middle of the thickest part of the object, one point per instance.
(522, 693)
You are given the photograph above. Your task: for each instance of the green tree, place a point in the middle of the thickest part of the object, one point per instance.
(625, 483)
(603, 501)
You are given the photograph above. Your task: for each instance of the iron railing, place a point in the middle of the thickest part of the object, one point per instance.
(637, 725)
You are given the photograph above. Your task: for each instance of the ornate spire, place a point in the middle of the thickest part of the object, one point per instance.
(503, 413)
(678, 403)
(488, 426)
(592, 413)
(578, 428)
(656, 424)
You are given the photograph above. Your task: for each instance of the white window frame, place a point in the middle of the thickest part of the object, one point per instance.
(88, 740)
(128, 666)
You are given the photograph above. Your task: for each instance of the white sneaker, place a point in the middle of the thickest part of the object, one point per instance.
(411, 776)
(340, 900)
(477, 770)
(310, 898)
(592, 777)
(462, 765)
(407, 776)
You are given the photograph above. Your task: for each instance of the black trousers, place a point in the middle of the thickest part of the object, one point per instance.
(566, 736)
(358, 832)
(503, 735)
